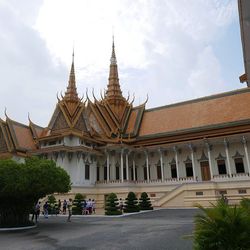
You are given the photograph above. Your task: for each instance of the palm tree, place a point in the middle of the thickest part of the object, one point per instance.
(222, 228)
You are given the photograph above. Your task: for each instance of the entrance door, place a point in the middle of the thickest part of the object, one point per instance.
(205, 172)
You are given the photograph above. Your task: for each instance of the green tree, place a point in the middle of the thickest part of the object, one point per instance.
(77, 204)
(131, 203)
(112, 206)
(22, 185)
(144, 202)
(222, 227)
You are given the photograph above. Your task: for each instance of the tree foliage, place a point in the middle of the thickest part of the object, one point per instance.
(111, 205)
(131, 203)
(144, 202)
(222, 227)
(23, 184)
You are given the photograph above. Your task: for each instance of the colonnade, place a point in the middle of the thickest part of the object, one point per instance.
(127, 159)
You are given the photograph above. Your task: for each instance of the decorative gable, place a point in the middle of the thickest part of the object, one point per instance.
(60, 122)
(80, 124)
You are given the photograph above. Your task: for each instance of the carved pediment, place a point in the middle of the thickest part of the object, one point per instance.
(60, 122)
(80, 124)
(203, 157)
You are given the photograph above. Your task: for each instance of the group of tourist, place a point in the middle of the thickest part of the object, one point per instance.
(88, 207)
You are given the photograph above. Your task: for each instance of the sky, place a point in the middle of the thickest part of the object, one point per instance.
(172, 50)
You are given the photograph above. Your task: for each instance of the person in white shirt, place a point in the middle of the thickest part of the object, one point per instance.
(69, 205)
(89, 206)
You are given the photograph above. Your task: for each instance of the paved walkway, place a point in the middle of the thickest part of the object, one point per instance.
(156, 230)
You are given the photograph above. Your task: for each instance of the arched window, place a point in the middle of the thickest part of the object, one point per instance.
(221, 167)
(173, 170)
(86, 171)
(117, 172)
(158, 169)
(238, 161)
(145, 172)
(239, 165)
(221, 164)
(189, 167)
(97, 173)
(105, 172)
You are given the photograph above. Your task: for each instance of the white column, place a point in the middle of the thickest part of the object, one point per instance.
(121, 165)
(209, 159)
(108, 170)
(133, 169)
(246, 152)
(147, 166)
(193, 161)
(127, 166)
(226, 144)
(176, 162)
(161, 161)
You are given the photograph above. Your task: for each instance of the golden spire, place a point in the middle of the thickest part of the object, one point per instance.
(71, 93)
(114, 92)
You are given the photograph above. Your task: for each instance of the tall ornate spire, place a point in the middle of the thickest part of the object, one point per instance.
(113, 57)
(71, 93)
(114, 93)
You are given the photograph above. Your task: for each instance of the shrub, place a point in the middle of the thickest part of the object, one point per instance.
(52, 204)
(144, 202)
(77, 204)
(245, 203)
(131, 203)
(111, 205)
(23, 184)
(222, 227)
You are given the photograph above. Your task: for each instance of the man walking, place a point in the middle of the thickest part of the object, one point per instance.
(69, 205)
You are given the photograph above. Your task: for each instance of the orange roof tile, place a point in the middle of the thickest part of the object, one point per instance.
(21, 135)
(132, 120)
(212, 110)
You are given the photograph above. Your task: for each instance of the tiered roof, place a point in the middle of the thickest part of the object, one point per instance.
(114, 120)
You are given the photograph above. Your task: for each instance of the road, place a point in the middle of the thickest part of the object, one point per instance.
(156, 230)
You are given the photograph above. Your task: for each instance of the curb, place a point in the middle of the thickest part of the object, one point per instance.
(5, 229)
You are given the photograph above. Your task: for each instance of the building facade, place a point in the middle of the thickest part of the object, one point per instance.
(181, 154)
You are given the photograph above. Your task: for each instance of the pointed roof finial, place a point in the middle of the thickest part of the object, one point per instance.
(71, 93)
(114, 93)
(113, 57)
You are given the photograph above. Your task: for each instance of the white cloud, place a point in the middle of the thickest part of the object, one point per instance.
(29, 80)
(162, 42)
(164, 48)
(201, 79)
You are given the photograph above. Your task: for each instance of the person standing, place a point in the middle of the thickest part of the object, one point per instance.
(69, 205)
(46, 210)
(93, 206)
(64, 206)
(84, 207)
(89, 206)
(33, 212)
(37, 210)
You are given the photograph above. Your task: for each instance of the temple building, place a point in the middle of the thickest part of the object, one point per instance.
(181, 154)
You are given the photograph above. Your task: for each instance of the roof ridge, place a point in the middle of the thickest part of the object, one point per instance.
(200, 99)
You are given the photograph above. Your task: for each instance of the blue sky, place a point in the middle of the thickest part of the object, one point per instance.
(173, 50)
